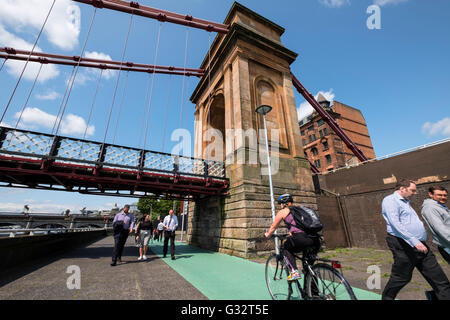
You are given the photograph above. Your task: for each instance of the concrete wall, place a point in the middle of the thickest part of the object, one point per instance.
(15, 251)
(361, 190)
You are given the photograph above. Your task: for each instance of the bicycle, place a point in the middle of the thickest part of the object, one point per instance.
(321, 281)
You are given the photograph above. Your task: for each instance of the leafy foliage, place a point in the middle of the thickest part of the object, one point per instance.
(158, 208)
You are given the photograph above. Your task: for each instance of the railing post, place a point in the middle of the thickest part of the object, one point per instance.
(176, 164)
(3, 132)
(205, 168)
(101, 159)
(141, 164)
(55, 146)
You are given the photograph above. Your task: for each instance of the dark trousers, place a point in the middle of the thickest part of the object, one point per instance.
(169, 235)
(406, 258)
(297, 243)
(159, 235)
(444, 254)
(119, 243)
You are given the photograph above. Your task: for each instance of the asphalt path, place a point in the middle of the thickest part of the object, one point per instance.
(48, 279)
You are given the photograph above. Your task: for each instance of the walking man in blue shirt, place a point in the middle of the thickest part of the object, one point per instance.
(170, 224)
(406, 239)
(123, 225)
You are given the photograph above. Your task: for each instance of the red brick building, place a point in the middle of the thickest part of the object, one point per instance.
(321, 144)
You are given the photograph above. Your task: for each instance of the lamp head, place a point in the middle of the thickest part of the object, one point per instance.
(263, 109)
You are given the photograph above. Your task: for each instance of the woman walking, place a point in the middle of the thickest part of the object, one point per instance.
(144, 231)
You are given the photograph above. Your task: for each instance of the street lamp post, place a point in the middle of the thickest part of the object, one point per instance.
(263, 110)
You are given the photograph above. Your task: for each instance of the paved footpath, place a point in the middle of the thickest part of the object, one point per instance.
(196, 274)
(46, 279)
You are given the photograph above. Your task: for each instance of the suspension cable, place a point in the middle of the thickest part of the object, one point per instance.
(120, 107)
(29, 95)
(182, 88)
(93, 102)
(63, 98)
(151, 90)
(4, 61)
(26, 63)
(118, 77)
(145, 109)
(166, 114)
(76, 71)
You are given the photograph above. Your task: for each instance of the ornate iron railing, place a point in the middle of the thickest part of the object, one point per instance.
(40, 146)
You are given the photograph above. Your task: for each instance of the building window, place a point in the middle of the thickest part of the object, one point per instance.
(304, 142)
(320, 122)
(328, 157)
(303, 132)
(311, 128)
(323, 132)
(314, 151)
(317, 163)
(325, 145)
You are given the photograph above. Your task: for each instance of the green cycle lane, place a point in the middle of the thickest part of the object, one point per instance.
(223, 277)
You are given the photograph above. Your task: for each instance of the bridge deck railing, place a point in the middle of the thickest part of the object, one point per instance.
(39, 231)
(41, 146)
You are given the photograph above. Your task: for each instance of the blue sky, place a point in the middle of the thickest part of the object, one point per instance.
(398, 76)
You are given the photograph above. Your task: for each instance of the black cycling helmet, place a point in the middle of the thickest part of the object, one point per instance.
(285, 198)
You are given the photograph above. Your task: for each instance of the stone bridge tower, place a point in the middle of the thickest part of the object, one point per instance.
(245, 68)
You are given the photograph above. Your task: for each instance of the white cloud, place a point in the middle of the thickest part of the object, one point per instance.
(62, 28)
(334, 3)
(305, 109)
(387, 2)
(442, 127)
(15, 67)
(107, 74)
(49, 95)
(71, 124)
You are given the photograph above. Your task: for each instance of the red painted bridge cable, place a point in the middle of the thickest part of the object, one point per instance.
(165, 70)
(118, 77)
(14, 53)
(76, 71)
(26, 63)
(29, 95)
(160, 15)
(328, 119)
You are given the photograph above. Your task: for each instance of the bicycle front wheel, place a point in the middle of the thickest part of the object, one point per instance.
(276, 280)
(326, 283)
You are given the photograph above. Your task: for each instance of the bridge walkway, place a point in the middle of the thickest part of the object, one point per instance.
(196, 274)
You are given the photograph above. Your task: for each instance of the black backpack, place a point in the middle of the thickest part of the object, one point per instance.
(306, 219)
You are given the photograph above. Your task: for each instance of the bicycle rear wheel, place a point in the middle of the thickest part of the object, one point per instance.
(276, 280)
(327, 284)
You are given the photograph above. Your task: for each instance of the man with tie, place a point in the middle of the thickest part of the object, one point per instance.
(123, 225)
(170, 224)
(406, 237)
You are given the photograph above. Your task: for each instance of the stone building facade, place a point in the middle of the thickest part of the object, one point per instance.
(323, 147)
(245, 68)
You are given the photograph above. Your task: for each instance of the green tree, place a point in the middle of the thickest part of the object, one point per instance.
(157, 207)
